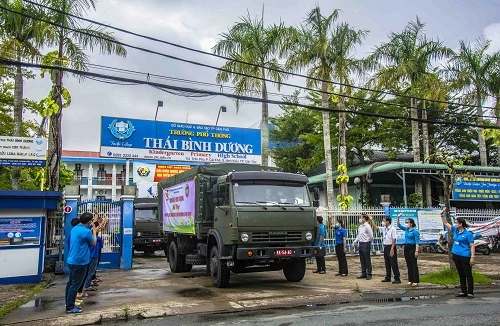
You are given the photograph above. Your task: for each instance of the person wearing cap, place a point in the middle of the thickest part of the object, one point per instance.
(364, 238)
(464, 254)
(390, 250)
(320, 241)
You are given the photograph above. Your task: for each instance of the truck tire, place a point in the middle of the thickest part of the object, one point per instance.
(295, 270)
(219, 272)
(177, 262)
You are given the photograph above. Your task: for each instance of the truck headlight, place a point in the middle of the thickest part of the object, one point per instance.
(138, 234)
(309, 236)
(244, 237)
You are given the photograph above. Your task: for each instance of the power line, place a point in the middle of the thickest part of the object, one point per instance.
(247, 63)
(234, 96)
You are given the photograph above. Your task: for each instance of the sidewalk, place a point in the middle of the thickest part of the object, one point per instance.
(149, 291)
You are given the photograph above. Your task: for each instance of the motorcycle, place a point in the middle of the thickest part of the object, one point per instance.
(442, 243)
(482, 245)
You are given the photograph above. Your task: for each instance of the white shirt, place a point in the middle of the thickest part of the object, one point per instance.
(389, 234)
(365, 233)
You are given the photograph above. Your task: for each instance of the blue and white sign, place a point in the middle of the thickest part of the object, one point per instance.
(154, 140)
(20, 231)
(480, 188)
(22, 151)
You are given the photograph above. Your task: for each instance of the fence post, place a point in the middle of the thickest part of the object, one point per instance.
(387, 210)
(127, 230)
(71, 201)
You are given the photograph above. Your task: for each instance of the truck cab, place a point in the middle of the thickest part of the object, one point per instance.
(148, 228)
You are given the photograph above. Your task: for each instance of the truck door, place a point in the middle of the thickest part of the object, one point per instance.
(222, 214)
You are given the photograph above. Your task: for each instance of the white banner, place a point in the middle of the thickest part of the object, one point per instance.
(22, 151)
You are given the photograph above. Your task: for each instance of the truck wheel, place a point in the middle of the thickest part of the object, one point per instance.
(295, 270)
(177, 262)
(218, 270)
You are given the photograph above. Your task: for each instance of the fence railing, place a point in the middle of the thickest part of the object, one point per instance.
(54, 232)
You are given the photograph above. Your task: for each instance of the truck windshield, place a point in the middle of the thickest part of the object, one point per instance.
(252, 193)
(145, 214)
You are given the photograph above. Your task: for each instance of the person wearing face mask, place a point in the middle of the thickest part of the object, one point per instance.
(412, 242)
(390, 251)
(364, 238)
(340, 247)
(464, 252)
(320, 241)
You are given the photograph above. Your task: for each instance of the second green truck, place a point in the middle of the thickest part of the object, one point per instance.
(238, 218)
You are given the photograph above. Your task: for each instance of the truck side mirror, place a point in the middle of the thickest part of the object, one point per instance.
(316, 197)
(215, 195)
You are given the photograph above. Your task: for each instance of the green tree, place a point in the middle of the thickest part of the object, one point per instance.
(22, 37)
(471, 66)
(494, 92)
(70, 51)
(251, 42)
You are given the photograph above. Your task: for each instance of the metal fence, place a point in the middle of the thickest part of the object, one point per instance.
(54, 232)
(476, 215)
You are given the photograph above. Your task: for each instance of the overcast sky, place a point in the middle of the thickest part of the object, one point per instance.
(198, 24)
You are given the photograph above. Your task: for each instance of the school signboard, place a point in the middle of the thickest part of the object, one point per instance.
(169, 141)
(479, 188)
(23, 151)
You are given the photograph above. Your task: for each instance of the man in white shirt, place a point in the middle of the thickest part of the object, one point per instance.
(364, 238)
(390, 251)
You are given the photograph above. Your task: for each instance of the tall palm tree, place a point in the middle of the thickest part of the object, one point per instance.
(70, 50)
(471, 66)
(251, 42)
(408, 56)
(494, 91)
(22, 38)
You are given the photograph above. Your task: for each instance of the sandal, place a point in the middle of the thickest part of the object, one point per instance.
(75, 310)
(470, 296)
(460, 295)
(90, 289)
(414, 284)
(82, 295)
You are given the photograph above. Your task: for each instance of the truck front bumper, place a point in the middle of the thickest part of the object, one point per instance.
(280, 252)
(150, 242)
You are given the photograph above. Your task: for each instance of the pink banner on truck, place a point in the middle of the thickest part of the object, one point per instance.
(179, 208)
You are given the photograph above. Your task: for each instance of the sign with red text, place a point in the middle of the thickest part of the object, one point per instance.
(179, 208)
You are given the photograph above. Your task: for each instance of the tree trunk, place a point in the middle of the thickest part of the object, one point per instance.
(425, 138)
(264, 125)
(328, 149)
(54, 152)
(342, 143)
(482, 142)
(446, 192)
(415, 140)
(18, 120)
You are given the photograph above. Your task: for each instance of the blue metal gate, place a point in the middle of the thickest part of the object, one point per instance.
(111, 234)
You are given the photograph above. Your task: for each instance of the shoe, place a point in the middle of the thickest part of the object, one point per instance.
(343, 275)
(396, 282)
(386, 280)
(75, 310)
(409, 283)
(78, 301)
(368, 278)
(361, 276)
(322, 272)
(90, 289)
(460, 295)
(338, 274)
(470, 296)
(315, 271)
(414, 284)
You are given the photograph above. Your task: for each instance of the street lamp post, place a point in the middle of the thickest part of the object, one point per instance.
(160, 104)
(223, 109)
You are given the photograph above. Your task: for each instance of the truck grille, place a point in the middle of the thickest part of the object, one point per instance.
(277, 236)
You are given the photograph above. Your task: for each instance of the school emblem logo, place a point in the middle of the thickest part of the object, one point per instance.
(143, 171)
(121, 129)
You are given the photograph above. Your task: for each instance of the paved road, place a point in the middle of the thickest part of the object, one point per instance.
(447, 310)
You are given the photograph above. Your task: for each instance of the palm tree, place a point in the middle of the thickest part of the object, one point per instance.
(325, 49)
(471, 66)
(251, 42)
(70, 50)
(494, 91)
(22, 37)
(408, 57)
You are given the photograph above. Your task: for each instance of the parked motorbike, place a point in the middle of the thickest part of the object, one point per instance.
(442, 243)
(482, 245)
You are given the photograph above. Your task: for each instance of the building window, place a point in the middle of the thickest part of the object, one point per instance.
(101, 167)
(78, 167)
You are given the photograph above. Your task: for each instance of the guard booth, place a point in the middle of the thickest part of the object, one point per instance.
(118, 232)
(23, 220)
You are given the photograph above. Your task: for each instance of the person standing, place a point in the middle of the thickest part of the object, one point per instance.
(464, 253)
(320, 241)
(78, 259)
(364, 238)
(412, 243)
(94, 256)
(341, 247)
(390, 250)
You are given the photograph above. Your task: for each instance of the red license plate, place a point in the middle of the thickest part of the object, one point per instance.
(283, 252)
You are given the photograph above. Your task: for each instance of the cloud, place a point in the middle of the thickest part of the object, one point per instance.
(492, 32)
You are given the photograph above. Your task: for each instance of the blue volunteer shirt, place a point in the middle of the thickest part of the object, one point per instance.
(321, 233)
(340, 234)
(461, 242)
(79, 248)
(411, 237)
(94, 250)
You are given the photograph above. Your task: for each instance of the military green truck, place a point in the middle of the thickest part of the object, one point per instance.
(238, 218)
(148, 229)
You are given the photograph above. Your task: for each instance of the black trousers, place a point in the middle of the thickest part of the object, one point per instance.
(464, 270)
(320, 263)
(411, 263)
(391, 263)
(339, 250)
(365, 259)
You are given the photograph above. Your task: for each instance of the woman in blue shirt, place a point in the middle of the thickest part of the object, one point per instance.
(320, 241)
(340, 247)
(463, 251)
(412, 242)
